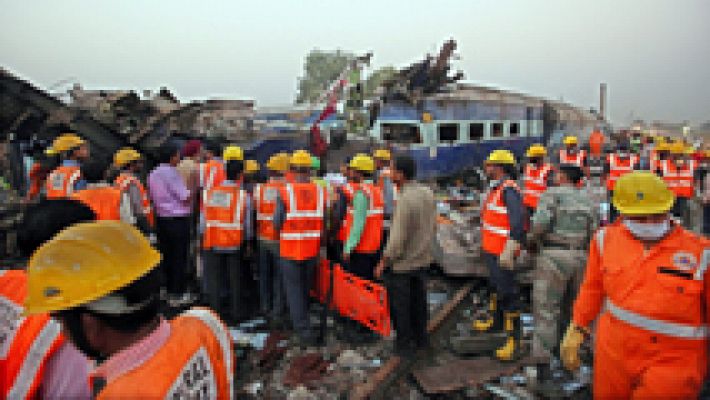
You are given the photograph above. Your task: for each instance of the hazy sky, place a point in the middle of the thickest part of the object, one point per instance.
(654, 54)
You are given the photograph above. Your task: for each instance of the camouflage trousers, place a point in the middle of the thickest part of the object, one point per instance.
(557, 276)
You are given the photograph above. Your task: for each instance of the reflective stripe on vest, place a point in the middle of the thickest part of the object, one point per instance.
(371, 235)
(294, 212)
(236, 223)
(222, 335)
(617, 169)
(494, 220)
(33, 360)
(679, 181)
(703, 267)
(124, 180)
(577, 159)
(653, 325)
(58, 185)
(535, 180)
(301, 231)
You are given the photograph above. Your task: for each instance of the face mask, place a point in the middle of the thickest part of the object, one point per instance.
(648, 231)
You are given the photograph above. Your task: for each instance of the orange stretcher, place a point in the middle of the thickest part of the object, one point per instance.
(353, 297)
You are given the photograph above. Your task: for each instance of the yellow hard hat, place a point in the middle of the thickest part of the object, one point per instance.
(536, 150)
(86, 262)
(125, 155)
(663, 146)
(362, 162)
(300, 158)
(66, 142)
(232, 153)
(278, 162)
(642, 193)
(251, 166)
(382, 154)
(677, 148)
(50, 151)
(501, 156)
(658, 140)
(570, 140)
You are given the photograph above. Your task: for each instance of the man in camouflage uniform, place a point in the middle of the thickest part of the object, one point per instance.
(560, 229)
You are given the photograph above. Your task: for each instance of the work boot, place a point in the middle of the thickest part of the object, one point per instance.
(511, 348)
(491, 321)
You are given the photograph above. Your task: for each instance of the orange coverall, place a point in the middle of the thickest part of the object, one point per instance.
(651, 338)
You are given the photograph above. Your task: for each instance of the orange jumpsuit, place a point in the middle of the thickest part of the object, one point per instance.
(651, 338)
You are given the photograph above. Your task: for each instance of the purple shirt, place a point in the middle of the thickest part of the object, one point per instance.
(168, 192)
(66, 375)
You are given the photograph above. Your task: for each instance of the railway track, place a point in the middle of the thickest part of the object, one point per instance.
(381, 379)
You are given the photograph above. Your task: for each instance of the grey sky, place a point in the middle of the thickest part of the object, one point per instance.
(654, 54)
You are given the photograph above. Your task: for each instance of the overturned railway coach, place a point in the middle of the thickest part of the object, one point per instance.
(455, 129)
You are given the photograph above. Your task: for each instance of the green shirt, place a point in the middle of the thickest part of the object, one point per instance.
(360, 205)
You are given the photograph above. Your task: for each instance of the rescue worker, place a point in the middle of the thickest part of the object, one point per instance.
(299, 219)
(102, 197)
(660, 153)
(383, 179)
(271, 292)
(617, 165)
(571, 154)
(596, 153)
(44, 162)
(98, 280)
(502, 232)
(343, 196)
(129, 162)
(537, 176)
(647, 277)
(227, 231)
(37, 361)
(560, 229)
(678, 173)
(251, 172)
(66, 179)
(364, 220)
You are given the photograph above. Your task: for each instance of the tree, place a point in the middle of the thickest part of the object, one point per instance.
(377, 78)
(320, 69)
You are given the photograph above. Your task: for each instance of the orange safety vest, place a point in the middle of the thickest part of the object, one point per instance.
(535, 180)
(300, 235)
(196, 362)
(211, 174)
(619, 168)
(265, 203)
(225, 213)
(494, 217)
(124, 181)
(679, 180)
(371, 237)
(60, 182)
(26, 343)
(105, 202)
(348, 190)
(576, 159)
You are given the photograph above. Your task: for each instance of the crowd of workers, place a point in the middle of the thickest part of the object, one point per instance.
(107, 253)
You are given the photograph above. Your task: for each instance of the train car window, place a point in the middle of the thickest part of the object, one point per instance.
(475, 132)
(448, 133)
(497, 130)
(401, 133)
(514, 129)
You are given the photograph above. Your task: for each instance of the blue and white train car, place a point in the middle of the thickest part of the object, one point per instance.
(455, 130)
